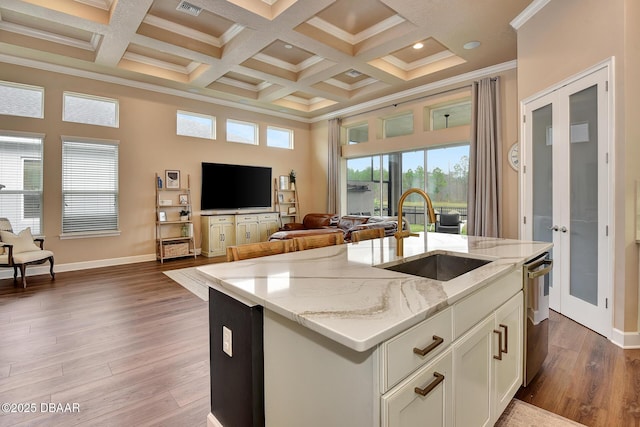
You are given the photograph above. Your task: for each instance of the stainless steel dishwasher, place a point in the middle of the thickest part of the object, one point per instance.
(536, 314)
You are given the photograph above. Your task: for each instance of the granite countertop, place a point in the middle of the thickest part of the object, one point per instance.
(339, 292)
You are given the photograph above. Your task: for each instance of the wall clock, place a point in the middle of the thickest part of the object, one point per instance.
(514, 157)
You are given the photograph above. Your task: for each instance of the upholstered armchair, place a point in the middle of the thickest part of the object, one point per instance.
(17, 251)
(448, 223)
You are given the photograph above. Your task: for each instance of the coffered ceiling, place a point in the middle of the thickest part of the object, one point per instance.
(305, 58)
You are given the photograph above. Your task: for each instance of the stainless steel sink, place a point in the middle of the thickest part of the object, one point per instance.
(440, 267)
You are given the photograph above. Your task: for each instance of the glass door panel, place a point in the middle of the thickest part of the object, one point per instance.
(583, 113)
(542, 163)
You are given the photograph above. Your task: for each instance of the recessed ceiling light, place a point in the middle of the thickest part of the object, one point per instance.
(471, 45)
(288, 46)
(418, 45)
(353, 73)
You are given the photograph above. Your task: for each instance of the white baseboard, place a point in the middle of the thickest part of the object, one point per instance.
(34, 270)
(213, 421)
(626, 340)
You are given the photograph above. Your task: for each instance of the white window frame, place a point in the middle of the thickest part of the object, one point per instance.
(115, 102)
(91, 232)
(280, 129)
(21, 86)
(243, 123)
(212, 119)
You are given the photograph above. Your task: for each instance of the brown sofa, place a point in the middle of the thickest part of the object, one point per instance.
(321, 223)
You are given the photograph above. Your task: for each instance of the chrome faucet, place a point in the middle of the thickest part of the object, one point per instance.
(401, 234)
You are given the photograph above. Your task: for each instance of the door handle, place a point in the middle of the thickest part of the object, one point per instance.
(564, 229)
(554, 228)
(506, 338)
(433, 384)
(499, 356)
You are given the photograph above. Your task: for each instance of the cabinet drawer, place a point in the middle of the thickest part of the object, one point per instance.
(398, 356)
(268, 217)
(246, 218)
(472, 309)
(403, 406)
(220, 219)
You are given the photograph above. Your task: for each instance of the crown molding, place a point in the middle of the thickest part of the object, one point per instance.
(528, 13)
(54, 68)
(355, 109)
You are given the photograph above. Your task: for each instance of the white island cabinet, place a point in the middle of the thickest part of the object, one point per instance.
(346, 343)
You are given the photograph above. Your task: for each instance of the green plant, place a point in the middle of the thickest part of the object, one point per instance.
(184, 212)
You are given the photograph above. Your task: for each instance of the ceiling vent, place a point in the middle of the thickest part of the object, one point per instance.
(353, 73)
(188, 8)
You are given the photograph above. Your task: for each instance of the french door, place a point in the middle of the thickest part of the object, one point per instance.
(566, 194)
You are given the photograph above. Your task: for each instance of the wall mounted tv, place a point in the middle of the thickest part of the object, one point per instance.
(235, 187)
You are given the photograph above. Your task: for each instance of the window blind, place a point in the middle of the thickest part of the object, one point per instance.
(89, 186)
(21, 176)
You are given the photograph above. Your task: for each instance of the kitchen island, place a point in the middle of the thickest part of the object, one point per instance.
(319, 336)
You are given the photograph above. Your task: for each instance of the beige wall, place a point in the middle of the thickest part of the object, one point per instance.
(563, 39)
(148, 144)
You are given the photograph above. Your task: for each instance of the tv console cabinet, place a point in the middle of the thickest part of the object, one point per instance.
(221, 231)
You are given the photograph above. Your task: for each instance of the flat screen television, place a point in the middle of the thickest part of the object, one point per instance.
(235, 186)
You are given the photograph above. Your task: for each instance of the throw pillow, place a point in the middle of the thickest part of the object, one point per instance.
(22, 242)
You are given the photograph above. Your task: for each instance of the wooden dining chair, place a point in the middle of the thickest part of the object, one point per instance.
(318, 241)
(367, 234)
(256, 250)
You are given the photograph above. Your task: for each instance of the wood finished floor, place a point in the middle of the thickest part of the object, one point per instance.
(126, 343)
(586, 378)
(131, 347)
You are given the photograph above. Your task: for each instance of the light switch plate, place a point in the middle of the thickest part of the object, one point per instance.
(227, 341)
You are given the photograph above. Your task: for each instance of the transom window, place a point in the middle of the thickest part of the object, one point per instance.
(242, 132)
(279, 137)
(89, 109)
(398, 125)
(358, 133)
(195, 125)
(21, 100)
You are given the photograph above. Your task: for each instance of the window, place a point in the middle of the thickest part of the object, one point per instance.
(88, 109)
(375, 184)
(89, 186)
(367, 188)
(451, 115)
(279, 137)
(242, 132)
(21, 180)
(196, 125)
(398, 125)
(358, 133)
(21, 100)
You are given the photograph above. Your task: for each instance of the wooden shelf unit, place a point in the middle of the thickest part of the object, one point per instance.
(285, 200)
(174, 237)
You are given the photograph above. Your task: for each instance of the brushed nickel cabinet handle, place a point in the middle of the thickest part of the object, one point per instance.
(433, 384)
(423, 351)
(499, 356)
(506, 338)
